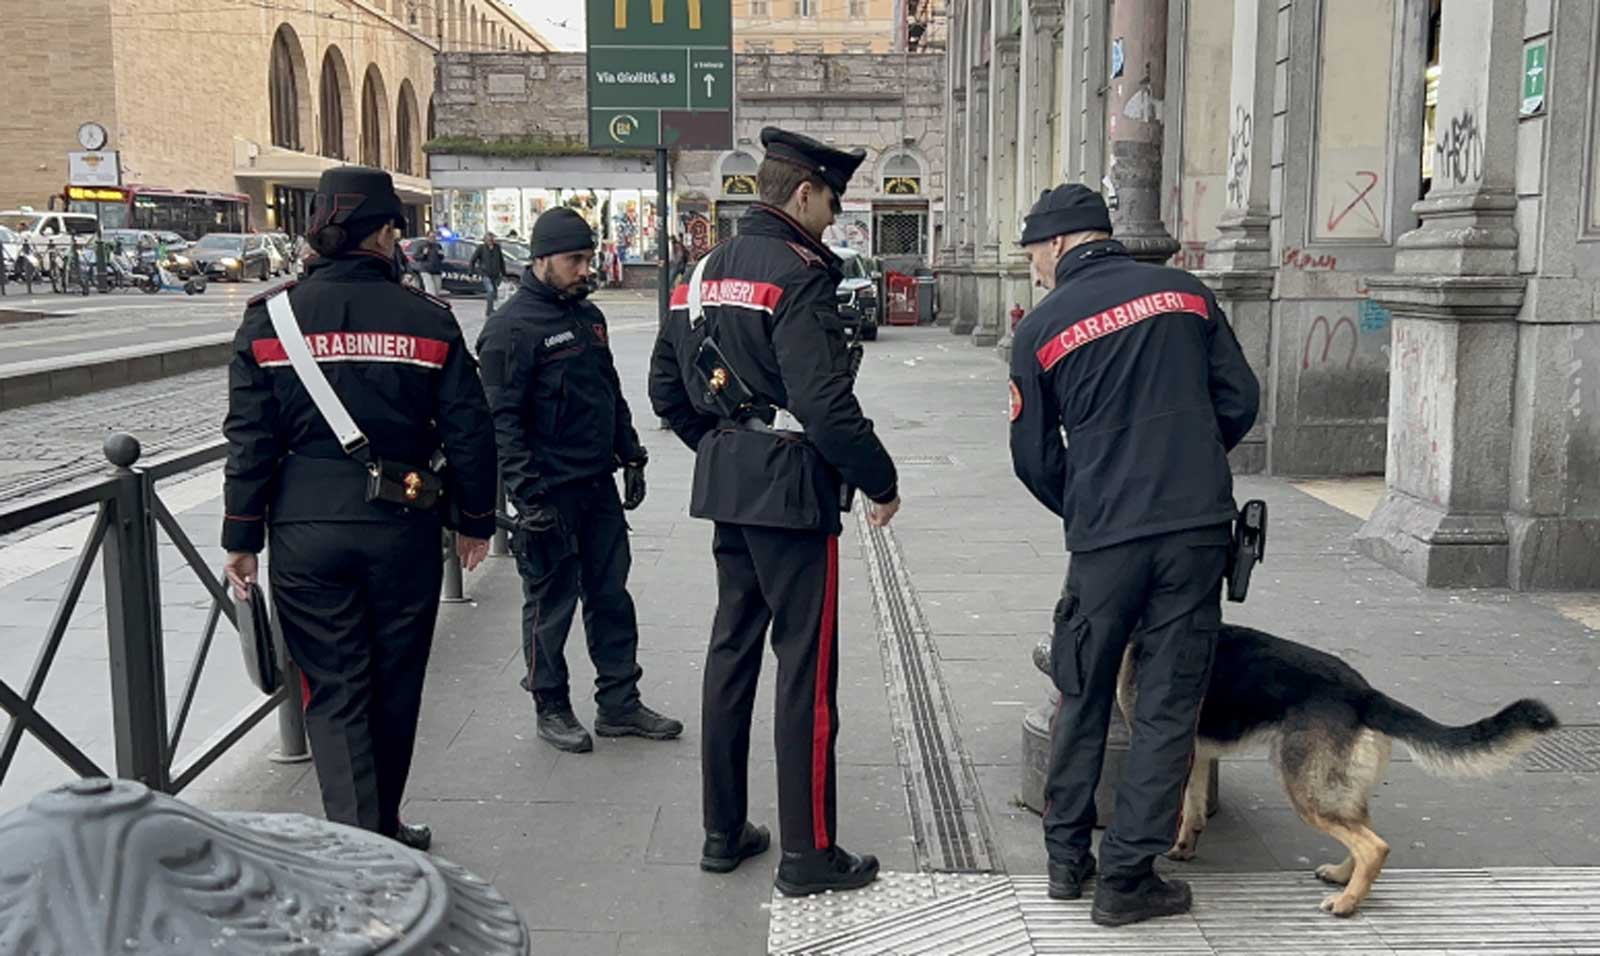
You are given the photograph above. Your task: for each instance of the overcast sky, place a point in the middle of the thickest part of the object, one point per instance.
(559, 21)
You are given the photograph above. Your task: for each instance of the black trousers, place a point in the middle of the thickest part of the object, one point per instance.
(596, 572)
(1169, 588)
(789, 580)
(356, 602)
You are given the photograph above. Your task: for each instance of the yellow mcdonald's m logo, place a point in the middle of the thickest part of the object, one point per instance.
(658, 13)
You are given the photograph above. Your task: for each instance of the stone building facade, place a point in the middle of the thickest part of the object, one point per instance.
(1396, 202)
(512, 134)
(246, 99)
(838, 26)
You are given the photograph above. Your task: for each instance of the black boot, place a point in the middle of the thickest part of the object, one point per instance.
(1120, 902)
(803, 873)
(562, 730)
(1067, 879)
(724, 852)
(639, 722)
(416, 836)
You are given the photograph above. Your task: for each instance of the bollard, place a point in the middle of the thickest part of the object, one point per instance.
(291, 716)
(109, 867)
(500, 543)
(454, 587)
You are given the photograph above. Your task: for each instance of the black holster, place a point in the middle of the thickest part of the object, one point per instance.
(1248, 548)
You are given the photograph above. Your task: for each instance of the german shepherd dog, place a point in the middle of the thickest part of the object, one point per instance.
(1330, 734)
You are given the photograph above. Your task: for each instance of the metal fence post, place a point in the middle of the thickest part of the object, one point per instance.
(291, 715)
(500, 543)
(133, 623)
(454, 592)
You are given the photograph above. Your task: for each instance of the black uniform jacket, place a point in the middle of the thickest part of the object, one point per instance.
(770, 299)
(558, 408)
(1138, 367)
(397, 360)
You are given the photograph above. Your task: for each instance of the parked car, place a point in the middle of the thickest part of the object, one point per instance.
(860, 305)
(46, 229)
(458, 277)
(232, 257)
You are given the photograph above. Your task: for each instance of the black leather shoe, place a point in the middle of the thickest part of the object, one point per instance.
(639, 722)
(724, 852)
(1149, 898)
(1067, 879)
(416, 836)
(817, 871)
(562, 730)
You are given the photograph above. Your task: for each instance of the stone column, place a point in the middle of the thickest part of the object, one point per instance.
(1455, 296)
(994, 296)
(978, 219)
(1041, 53)
(1239, 266)
(1136, 104)
(955, 212)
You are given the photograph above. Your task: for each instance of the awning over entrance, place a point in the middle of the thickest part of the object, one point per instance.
(255, 163)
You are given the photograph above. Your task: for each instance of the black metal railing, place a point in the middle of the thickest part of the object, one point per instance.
(128, 517)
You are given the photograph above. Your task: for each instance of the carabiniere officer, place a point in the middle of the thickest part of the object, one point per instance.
(355, 579)
(564, 430)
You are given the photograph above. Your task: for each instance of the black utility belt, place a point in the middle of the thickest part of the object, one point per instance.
(409, 486)
(755, 424)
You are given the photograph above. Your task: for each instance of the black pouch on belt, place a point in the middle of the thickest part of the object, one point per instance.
(408, 486)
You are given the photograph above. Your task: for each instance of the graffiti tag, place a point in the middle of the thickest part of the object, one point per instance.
(1330, 333)
(1459, 149)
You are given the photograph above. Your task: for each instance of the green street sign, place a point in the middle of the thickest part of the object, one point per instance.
(660, 73)
(1535, 74)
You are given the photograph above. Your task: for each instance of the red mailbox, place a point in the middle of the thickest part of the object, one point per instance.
(902, 298)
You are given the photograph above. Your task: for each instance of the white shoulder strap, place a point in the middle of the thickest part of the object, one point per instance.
(322, 394)
(697, 310)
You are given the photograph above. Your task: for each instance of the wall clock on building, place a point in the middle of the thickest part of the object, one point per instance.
(92, 136)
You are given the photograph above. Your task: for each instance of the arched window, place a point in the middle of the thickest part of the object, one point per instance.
(902, 175)
(374, 118)
(333, 88)
(285, 80)
(738, 174)
(405, 131)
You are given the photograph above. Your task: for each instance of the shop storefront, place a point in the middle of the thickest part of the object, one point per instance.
(624, 219)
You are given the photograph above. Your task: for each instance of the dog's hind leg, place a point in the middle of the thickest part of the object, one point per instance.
(1196, 808)
(1329, 774)
(1337, 873)
(1368, 851)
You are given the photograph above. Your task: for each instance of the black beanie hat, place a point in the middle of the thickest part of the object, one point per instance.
(1066, 209)
(560, 230)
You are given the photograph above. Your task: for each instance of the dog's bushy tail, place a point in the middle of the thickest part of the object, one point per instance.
(1479, 749)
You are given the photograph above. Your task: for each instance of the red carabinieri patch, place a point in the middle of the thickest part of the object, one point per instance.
(740, 293)
(358, 347)
(599, 332)
(1117, 318)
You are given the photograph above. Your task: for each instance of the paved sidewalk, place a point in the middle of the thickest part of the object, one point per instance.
(598, 851)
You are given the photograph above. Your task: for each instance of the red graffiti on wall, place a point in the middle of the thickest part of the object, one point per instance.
(1361, 193)
(1296, 258)
(1330, 333)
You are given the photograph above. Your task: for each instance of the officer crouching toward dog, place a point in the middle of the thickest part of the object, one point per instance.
(341, 390)
(564, 429)
(752, 371)
(1137, 366)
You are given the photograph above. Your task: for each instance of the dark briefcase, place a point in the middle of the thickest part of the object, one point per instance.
(256, 640)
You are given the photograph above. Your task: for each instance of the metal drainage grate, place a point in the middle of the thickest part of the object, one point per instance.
(914, 460)
(1567, 750)
(949, 821)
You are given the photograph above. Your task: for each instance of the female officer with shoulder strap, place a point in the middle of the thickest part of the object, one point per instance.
(342, 389)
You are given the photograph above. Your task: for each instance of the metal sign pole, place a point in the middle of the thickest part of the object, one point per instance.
(663, 240)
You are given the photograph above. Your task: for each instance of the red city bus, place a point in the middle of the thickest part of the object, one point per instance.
(191, 213)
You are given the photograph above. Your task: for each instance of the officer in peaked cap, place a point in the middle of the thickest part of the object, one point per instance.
(350, 519)
(768, 472)
(1137, 366)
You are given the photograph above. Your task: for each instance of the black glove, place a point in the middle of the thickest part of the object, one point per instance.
(633, 485)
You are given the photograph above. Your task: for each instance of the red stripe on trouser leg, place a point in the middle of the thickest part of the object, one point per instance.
(822, 706)
(305, 693)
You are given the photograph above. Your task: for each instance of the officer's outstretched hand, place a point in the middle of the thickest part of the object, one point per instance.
(241, 568)
(471, 551)
(879, 516)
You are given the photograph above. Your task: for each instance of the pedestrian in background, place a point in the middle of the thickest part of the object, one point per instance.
(351, 509)
(1137, 367)
(489, 264)
(564, 430)
(430, 263)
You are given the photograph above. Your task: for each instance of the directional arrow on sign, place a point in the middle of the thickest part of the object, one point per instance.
(710, 82)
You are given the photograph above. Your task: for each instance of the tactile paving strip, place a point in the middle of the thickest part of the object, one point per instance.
(1547, 911)
(1568, 750)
